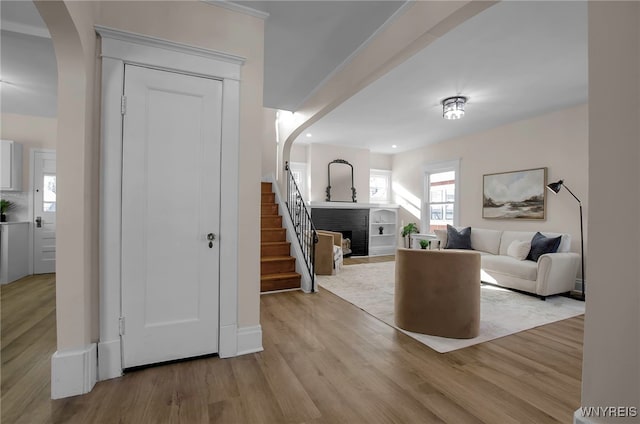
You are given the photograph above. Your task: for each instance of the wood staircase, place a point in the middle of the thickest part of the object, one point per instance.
(277, 266)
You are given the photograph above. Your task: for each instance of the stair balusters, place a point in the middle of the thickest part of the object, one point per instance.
(301, 218)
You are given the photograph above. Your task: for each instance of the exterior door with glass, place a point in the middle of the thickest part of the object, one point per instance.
(44, 212)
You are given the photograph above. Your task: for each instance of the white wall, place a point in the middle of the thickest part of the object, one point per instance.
(611, 369)
(319, 157)
(196, 23)
(201, 24)
(381, 161)
(299, 153)
(71, 27)
(269, 146)
(557, 141)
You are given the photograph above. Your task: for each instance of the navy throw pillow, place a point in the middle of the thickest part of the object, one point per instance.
(541, 245)
(458, 239)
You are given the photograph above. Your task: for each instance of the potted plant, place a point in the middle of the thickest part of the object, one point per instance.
(5, 205)
(407, 230)
(424, 244)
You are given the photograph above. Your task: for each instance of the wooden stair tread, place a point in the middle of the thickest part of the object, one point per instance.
(275, 248)
(277, 258)
(277, 266)
(273, 230)
(279, 276)
(280, 282)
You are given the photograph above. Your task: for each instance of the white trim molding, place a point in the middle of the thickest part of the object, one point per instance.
(160, 43)
(579, 419)
(25, 29)
(235, 7)
(110, 359)
(120, 48)
(434, 168)
(578, 284)
(73, 372)
(249, 340)
(228, 341)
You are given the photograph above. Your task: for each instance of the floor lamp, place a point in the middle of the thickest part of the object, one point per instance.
(555, 187)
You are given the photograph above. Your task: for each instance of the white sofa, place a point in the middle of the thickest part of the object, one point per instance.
(554, 273)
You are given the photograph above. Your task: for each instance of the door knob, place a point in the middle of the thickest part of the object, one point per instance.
(39, 222)
(211, 237)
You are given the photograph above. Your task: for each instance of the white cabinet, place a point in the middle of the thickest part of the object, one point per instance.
(383, 231)
(10, 166)
(14, 251)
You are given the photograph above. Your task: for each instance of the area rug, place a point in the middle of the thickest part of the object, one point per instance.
(370, 287)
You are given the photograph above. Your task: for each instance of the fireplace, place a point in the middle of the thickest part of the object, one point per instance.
(347, 235)
(352, 223)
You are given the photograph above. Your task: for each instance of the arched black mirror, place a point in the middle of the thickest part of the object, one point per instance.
(340, 188)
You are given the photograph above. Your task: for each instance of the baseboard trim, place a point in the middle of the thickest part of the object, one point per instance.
(228, 346)
(250, 340)
(578, 418)
(109, 360)
(73, 372)
(280, 291)
(578, 285)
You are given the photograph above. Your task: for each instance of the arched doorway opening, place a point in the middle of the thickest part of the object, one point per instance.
(73, 365)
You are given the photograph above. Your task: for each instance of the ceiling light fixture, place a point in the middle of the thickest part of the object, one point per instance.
(309, 135)
(393, 146)
(453, 107)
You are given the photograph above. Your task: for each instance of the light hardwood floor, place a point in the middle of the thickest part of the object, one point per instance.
(325, 361)
(353, 260)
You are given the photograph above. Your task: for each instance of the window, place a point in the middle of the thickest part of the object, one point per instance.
(441, 199)
(379, 186)
(49, 193)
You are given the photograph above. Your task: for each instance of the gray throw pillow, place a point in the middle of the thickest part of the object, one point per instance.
(541, 244)
(458, 239)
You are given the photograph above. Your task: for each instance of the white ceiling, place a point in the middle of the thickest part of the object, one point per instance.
(514, 60)
(28, 66)
(305, 41)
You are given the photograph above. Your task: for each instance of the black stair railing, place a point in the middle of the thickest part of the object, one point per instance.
(301, 218)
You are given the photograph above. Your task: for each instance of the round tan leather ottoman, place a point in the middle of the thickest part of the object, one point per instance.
(437, 292)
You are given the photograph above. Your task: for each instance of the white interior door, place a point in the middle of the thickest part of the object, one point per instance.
(170, 203)
(44, 212)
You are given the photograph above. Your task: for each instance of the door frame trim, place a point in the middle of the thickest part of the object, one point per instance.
(118, 48)
(31, 211)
